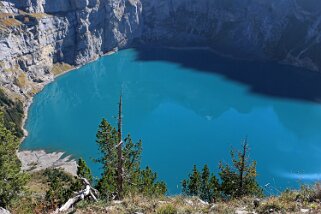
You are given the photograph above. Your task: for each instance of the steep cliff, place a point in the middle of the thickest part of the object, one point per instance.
(288, 31)
(40, 38)
(37, 35)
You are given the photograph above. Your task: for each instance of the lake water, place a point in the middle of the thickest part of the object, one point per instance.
(189, 107)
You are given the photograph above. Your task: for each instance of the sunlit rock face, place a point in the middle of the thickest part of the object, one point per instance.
(78, 31)
(73, 32)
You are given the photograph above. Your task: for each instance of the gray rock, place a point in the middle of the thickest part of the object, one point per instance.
(81, 4)
(78, 31)
(70, 31)
(57, 6)
(40, 160)
(256, 202)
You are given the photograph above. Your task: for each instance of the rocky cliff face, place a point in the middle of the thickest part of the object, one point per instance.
(38, 38)
(288, 31)
(36, 35)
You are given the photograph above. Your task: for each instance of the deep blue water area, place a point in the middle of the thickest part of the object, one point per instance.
(189, 107)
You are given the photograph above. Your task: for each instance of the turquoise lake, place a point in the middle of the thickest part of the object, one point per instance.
(189, 107)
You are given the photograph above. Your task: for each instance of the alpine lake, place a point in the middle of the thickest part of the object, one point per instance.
(188, 106)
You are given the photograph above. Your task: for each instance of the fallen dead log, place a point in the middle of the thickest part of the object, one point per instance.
(81, 195)
(4, 211)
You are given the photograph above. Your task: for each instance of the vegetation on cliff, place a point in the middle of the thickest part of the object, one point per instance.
(12, 113)
(12, 180)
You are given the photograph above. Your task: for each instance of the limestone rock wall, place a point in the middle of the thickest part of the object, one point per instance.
(35, 35)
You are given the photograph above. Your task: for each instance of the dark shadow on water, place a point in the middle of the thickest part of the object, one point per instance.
(265, 78)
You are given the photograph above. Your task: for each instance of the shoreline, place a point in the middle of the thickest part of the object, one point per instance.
(33, 161)
(29, 100)
(51, 159)
(59, 159)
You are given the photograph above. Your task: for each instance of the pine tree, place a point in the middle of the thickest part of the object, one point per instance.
(214, 189)
(194, 183)
(121, 161)
(107, 140)
(149, 184)
(12, 180)
(184, 187)
(205, 185)
(83, 170)
(210, 186)
(240, 179)
(132, 159)
(228, 181)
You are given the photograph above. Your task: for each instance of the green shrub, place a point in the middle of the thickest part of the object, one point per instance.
(12, 113)
(289, 196)
(202, 184)
(83, 171)
(239, 178)
(60, 190)
(166, 209)
(306, 194)
(12, 180)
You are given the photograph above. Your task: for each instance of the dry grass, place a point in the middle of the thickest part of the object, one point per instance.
(10, 22)
(294, 201)
(34, 90)
(38, 183)
(38, 15)
(21, 12)
(33, 200)
(275, 205)
(307, 199)
(6, 15)
(21, 80)
(12, 69)
(164, 205)
(34, 15)
(285, 203)
(59, 68)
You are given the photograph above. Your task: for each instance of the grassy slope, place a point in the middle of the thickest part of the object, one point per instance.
(286, 203)
(300, 201)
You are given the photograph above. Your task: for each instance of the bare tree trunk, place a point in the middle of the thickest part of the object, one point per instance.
(120, 152)
(88, 191)
(4, 211)
(242, 167)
